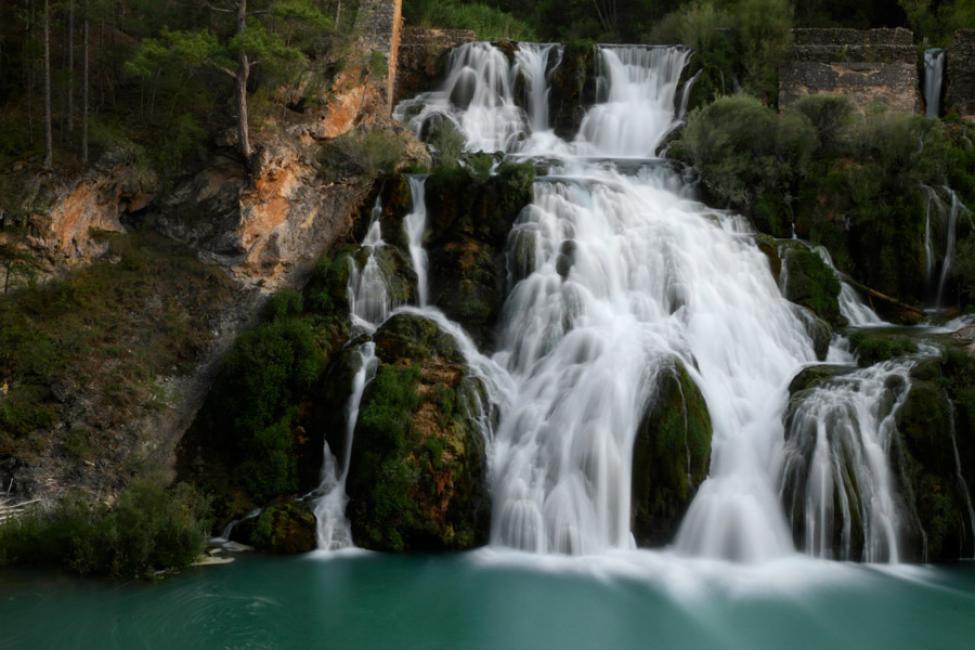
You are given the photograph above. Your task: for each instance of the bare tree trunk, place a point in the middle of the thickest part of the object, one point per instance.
(48, 132)
(70, 65)
(84, 94)
(243, 74)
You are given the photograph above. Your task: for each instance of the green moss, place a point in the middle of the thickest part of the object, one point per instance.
(671, 456)
(285, 527)
(417, 475)
(874, 347)
(812, 284)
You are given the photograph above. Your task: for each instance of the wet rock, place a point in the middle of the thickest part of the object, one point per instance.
(671, 456)
(417, 478)
(286, 527)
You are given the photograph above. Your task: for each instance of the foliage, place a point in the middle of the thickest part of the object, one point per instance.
(934, 22)
(150, 529)
(115, 325)
(489, 23)
(875, 347)
(749, 158)
(371, 151)
(811, 283)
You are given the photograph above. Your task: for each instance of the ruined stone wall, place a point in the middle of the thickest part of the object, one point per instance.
(381, 23)
(960, 74)
(422, 57)
(876, 66)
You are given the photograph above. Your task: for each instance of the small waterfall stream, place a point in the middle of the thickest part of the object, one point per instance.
(934, 71)
(837, 484)
(415, 225)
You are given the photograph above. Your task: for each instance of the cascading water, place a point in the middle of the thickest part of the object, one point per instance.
(415, 226)
(852, 307)
(948, 211)
(837, 484)
(615, 275)
(934, 70)
(479, 99)
(368, 290)
(333, 530)
(637, 89)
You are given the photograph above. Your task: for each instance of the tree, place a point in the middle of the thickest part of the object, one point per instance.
(48, 132)
(253, 43)
(85, 90)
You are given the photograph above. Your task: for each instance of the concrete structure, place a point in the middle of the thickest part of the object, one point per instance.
(960, 74)
(876, 66)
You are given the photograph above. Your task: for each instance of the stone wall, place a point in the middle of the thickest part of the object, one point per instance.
(960, 74)
(876, 66)
(422, 56)
(381, 22)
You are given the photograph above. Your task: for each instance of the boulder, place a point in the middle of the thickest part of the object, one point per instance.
(417, 476)
(671, 456)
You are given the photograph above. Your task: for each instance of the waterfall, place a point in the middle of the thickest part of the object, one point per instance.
(333, 530)
(852, 307)
(615, 275)
(838, 485)
(953, 210)
(415, 225)
(934, 70)
(532, 63)
(368, 291)
(962, 484)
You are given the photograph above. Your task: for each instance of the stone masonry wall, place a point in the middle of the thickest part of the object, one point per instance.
(960, 74)
(877, 66)
(381, 23)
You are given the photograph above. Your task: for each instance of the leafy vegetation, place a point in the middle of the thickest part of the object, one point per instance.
(99, 327)
(875, 347)
(150, 529)
(857, 184)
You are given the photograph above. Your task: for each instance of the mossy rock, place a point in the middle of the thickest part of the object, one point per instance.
(573, 87)
(811, 283)
(470, 215)
(671, 456)
(927, 473)
(417, 478)
(286, 527)
(875, 346)
(818, 330)
(769, 246)
(815, 375)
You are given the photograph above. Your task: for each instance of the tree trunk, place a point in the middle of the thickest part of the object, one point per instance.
(84, 94)
(243, 74)
(70, 65)
(48, 132)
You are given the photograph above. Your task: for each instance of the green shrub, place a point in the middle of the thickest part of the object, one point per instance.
(149, 529)
(372, 152)
(875, 347)
(489, 23)
(830, 115)
(744, 151)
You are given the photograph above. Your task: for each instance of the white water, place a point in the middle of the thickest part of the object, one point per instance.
(369, 301)
(948, 213)
(415, 225)
(637, 89)
(837, 452)
(333, 530)
(934, 70)
(954, 209)
(616, 273)
(478, 97)
(852, 307)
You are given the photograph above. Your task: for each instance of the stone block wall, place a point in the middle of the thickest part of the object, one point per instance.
(876, 66)
(381, 24)
(960, 74)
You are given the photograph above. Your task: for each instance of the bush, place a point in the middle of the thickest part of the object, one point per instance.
(745, 152)
(830, 116)
(372, 152)
(150, 529)
(487, 22)
(873, 347)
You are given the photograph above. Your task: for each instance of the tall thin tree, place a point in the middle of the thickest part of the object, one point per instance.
(84, 92)
(48, 131)
(70, 91)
